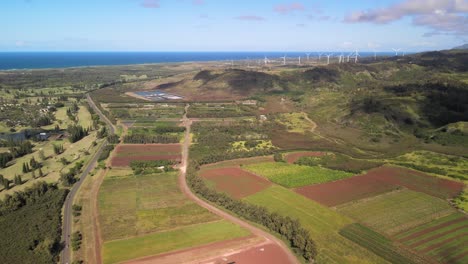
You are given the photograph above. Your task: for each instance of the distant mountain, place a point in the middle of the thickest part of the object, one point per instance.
(465, 46)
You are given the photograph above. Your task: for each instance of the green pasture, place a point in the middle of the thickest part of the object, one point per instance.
(292, 175)
(137, 205)
(177, 239)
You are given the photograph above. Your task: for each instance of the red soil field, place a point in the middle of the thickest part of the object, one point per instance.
(147, 149)
(377, 181)
(235, 182)
(266, 254)
(124, 154)
(293, 157)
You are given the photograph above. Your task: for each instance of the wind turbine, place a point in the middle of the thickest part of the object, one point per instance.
(320, 56)
(396, 51)
(266, 61)
(284, 59)
(299, 60)
(308, 56)
(328, 58)
(375, 55)
(356, 55)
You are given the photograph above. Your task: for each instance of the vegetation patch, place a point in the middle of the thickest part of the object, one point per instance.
(290, 175)
(136, 205)
(335, 161)
(295, 122)
(178, 239)
(235, 182)
(30, 224)
(443, 239)
(397, 211)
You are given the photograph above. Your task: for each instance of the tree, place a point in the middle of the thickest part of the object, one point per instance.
(17, 180)
(278, 157)
(33, 174)
(6, 184)
(42, 155)
(41, 174)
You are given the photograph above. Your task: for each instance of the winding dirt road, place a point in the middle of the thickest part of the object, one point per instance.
(186, 190)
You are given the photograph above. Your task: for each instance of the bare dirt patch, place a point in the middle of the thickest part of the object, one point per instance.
(293, 157)
(236, 182)
(124, 154)
(378, 181)
(270, 253)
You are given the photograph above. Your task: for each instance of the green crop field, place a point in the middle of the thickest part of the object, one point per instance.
(182, 238)
(137, 205)
(378, 244)
(291, 175)
(443, 239)
(397, 211)
(322, 223)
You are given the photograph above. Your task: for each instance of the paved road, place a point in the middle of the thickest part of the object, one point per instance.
(67, 212)
(186, 190)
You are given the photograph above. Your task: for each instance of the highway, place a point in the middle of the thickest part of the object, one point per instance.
(67, 212)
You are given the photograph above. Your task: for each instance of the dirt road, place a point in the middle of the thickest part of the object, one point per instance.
(186, 190)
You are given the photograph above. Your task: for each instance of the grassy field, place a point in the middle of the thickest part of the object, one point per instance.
(396, 211)
(291, 175)
(295, 122)
(186, 237)
(322, 223)
(378, 244)
(443, 239)
(137, 205)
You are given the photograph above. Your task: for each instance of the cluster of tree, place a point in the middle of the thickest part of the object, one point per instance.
(150, 139)
(113, 139)
(68, 178)
(141, 167)
(58, 149)
(31, 225)
(17, 149)
(76, 133)
(17, 180)
(76, 210)
(31, 166)
(159, 130)
(215, 142)
(278, 157)
(106, 152)
(298, 237)
(76, 239)
(4, 182)
(102, 133)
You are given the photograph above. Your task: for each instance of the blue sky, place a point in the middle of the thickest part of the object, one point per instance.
(240, 25)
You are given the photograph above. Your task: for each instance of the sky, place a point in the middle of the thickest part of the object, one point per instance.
(232, 25)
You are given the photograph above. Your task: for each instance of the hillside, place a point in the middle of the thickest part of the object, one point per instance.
(464, 47)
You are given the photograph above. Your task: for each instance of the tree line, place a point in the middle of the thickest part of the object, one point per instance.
(16, 149)
(141, 167)
(150, 139)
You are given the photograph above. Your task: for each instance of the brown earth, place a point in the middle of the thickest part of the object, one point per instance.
(377, 181)
(236, 182)
(263, 254)
(293, 157)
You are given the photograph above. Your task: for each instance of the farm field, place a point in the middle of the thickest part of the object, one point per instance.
(378, 181)
(235, 182)
(294, 156)
(291, 175)
(444, 239)
(322, 223)
(379, 244)
(219, 110)
(137, 205)
(124, 154)
(238, 163)
(396, 211)
(177, 239)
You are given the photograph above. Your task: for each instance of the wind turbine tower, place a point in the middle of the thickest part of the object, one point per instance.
(299, 60)
(328, 58)
(284, 59)
(308, 56)
(396, 51)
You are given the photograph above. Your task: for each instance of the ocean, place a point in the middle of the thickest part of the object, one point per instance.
(42, 60)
